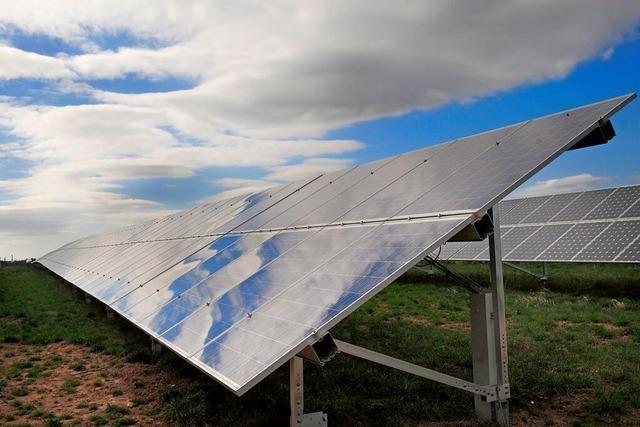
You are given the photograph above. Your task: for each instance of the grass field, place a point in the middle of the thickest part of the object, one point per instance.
(574, 357)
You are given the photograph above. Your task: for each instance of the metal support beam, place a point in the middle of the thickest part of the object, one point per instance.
(296, 397)
(109, 313)
(296, 390)
(541, 277)
(465, 282)
(500, 409)
(489, 392)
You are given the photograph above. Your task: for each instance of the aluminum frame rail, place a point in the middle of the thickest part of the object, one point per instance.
(241, 286)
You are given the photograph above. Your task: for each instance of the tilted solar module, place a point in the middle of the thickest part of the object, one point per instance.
(239, 286)
(587, 226)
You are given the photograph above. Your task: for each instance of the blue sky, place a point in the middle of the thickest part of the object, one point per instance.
(112, 117)
(593, 80)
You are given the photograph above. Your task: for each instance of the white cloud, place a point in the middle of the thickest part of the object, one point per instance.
(82, 155)
(268, 78)
(567, 184)
(297, 69)
(16, 64)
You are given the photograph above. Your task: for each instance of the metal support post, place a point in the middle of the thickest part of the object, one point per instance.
(156, 347)
(109, 313)
(296, 397)
(87, 299)
(296, 390)
(483, 350)
(500, 410)
(545, 274)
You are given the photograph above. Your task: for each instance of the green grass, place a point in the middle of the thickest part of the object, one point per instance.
(185, 406)
(20, 391)
(78, 365)
(578, 340)
(70, 385)
(38, 308)
(606, 280)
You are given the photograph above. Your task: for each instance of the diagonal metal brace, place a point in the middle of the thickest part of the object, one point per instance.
(465, 282)
(490, 393)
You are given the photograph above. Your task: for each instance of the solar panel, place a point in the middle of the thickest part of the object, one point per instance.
(511, 239)
(550, 208)
(582, 205)
(239, 286)
(631, 252)
(617, 203)
(605, 230)
(524, 208)
(538, 242)
(633, 211)
(573, 241)
(611, 242)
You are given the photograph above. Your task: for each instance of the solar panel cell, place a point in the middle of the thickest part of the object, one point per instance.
(469, 250)
(616, 204)
(572, 242)
(506, 206)
(610, 243)
(633, 211)
(582, 205)
(524, 208)
(631, 253)
(550, 208)
(537, 243)
(511, 239)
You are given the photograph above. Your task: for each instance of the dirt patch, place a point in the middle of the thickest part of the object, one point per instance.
(562, 414)
(565, 323)
(446, 325)
(70, 382)
(456, 325)
(610, 327)
(417, 320)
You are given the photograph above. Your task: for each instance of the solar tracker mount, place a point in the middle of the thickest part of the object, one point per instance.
(240, 286)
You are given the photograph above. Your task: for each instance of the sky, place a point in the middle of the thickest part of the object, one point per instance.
(114, 115)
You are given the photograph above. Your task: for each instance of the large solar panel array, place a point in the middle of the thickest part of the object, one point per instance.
(587, 226)
(239, 286)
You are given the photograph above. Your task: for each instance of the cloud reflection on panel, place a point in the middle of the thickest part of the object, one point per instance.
(146, 260)
(250, 309)
(223, 289)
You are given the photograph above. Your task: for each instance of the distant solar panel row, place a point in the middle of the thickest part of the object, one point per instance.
(239, 286)
(595, 226)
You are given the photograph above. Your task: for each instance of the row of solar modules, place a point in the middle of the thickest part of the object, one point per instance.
(240, 285)
(590, 226)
